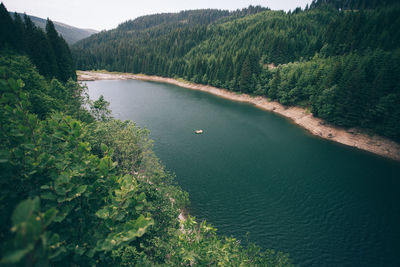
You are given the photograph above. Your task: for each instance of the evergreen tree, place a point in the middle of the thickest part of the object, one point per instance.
(39, 50)
(7, 38)
(65, 66)
(48, 51)
(245, 81)
(19, 33)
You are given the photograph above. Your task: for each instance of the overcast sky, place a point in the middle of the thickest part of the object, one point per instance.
(107, 14)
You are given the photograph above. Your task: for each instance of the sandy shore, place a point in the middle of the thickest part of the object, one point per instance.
(351, 137)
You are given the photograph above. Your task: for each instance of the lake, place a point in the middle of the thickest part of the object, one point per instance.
(258, 177)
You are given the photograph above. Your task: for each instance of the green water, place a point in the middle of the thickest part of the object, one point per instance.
(253, 171)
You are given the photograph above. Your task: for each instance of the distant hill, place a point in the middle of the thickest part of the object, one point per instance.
(69, 33)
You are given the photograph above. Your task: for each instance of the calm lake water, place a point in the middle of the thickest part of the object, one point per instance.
(255, 172)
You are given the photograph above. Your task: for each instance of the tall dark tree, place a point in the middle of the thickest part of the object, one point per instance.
(245, 76)
(47, 50)
(19, 33)
(7, 38)
(65, 65)
(40, 50)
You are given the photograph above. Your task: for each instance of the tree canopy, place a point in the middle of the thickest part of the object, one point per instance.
(47, 50)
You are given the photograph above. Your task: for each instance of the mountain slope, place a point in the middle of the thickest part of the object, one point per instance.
(71, 34)
(343, 65)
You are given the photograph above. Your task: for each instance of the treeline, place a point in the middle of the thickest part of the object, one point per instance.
(81, 189)
(47, 50)
(241, 53)
(353, 4)
(192, 17)
(352, 90)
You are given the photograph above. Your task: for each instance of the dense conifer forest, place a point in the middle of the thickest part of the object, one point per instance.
(79, 188)
(339, 59)
(47, 49)
(69, 33)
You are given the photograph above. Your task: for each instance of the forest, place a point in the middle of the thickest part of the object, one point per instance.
(47, 49)
(338, 59)
(79, 188)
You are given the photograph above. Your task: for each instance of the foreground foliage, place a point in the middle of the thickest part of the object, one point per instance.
(76, 191)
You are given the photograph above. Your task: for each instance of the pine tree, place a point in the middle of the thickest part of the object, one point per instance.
(62, 53)
(19, 33)
(6, 28)
(245, 81)
(39, 49)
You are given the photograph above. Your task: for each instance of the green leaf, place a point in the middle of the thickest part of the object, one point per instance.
(32, 172)
(141, 197)
(76, 129)
(49, 216)
(104, 165)
(57, 253)
(139, 207)
(20, 83)
(129, 231)
(103, 213)
(81, 189)
(7, 97)
(136, 228)
(16, 255)
(28, 146)
(80, 250)
(60, 184)
(24, 210)
(104, 148)
(48, 196)
(4, 156)
(83, 147)
(63, 213)
(60, 217)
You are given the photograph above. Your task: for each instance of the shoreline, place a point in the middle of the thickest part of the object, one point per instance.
(351, 137)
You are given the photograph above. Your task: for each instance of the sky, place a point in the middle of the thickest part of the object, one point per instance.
(107, 14)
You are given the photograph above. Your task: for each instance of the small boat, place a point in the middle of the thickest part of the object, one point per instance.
(198, 131)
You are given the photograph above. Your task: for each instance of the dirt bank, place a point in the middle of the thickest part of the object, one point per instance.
(351, 137)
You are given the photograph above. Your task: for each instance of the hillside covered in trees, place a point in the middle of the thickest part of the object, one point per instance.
(339, 59)
(47, 49)
(79, 188)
